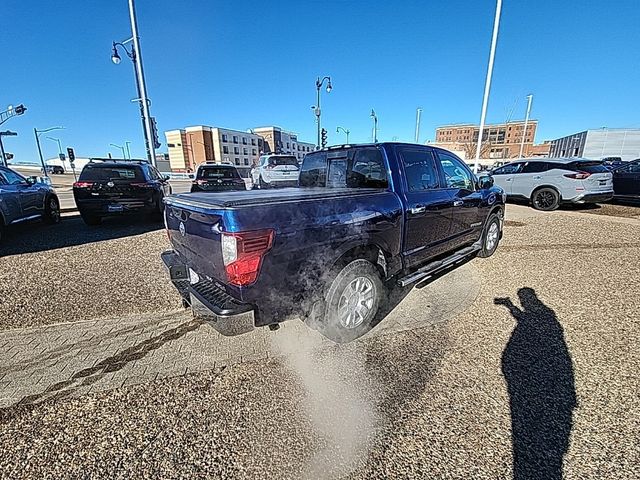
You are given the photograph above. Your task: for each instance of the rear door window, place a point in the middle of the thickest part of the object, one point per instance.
(367, 170)
(314, 170)
(535, 167)
(98, 173)
(419, 168)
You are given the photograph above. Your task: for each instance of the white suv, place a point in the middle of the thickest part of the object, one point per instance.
(547, 182)
(274, 170)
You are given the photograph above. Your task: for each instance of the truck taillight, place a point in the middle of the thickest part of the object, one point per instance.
(242, 255)
(578, 176)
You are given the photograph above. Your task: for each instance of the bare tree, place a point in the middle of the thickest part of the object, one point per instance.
(470, 149)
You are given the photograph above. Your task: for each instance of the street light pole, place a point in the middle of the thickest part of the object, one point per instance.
(526, 120)
(346, 132)
(127, 143)
(487, 85)
(375, 126)
(37, 134)
(418, 112)
(59, 144)
(121, 148)
(318, 111)
(136, 57)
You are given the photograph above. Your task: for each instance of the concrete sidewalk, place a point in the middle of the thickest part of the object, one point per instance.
(71, 359)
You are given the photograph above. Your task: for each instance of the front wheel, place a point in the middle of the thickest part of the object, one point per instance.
(351, 302)
(52, 211)
(490, 236)
(545, 199)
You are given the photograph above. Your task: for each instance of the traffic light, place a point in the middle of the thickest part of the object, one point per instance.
(154, 131)
(20, 109)
(323, 137)
(71, 154)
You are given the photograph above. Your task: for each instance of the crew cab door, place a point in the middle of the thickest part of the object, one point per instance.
(466, 224)
(427, 206)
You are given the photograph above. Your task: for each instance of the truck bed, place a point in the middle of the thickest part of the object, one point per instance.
(261, 197)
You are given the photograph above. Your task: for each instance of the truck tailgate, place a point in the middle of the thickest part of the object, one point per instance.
(195, 235)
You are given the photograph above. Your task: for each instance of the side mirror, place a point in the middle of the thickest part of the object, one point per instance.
(32, 180)
(166, 178)
(485, 182)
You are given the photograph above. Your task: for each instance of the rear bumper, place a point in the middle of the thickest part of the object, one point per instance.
(593, 197)
(116, 207)
(208, 301)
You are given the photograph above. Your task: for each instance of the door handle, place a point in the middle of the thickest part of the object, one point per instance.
(507, 179)
(537, 177)
(458, 203)
(418, 209)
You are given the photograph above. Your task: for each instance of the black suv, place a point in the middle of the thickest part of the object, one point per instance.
(110, 188)
(216, 177)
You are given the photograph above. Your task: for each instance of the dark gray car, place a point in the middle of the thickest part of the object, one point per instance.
(24, 199)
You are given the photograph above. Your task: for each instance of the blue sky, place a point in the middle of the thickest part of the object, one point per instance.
(247, 64)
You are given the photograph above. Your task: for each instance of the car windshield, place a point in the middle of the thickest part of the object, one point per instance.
(213, 173)
(100, 173)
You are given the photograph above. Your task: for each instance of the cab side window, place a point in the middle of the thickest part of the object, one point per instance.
(367, 169)
(456, 173)
(419, 169)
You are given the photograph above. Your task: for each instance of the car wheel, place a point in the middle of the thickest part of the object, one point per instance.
(545, 199)
(490, 236)
(262, 183)
(351, 302)
(91, 220)
(52, 211)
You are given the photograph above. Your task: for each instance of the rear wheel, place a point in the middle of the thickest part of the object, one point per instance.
(545, 199)
(90, 219)
(52, 211)
(351, 302)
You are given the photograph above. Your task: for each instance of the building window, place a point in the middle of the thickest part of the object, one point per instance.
(225, 138)
(225, 149)
(237, 161)
(244, 140)
(253, 151)
(245, 151)
(236, 150)
(246, 161)
(235, 139)
(287, 145)
(253, 141)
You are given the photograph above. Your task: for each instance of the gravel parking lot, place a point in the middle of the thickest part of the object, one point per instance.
(538, 376)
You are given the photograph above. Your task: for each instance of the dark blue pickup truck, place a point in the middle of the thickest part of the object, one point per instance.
(363, 218)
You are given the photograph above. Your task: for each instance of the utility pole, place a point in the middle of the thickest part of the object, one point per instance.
(418, 112)
(487, 85)
(526, 121)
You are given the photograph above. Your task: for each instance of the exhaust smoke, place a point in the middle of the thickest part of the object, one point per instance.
(340, 400)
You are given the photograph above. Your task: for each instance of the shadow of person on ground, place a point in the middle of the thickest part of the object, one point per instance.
(539, 372)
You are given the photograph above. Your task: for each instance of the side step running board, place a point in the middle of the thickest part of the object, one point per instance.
(438, 265)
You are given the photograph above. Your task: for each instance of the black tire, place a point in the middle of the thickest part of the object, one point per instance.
(358, 284)
(545, 199)
(91, 220)
(490, 236)
(2, 231)
(158, 212)
(262, 183)
(52, 210)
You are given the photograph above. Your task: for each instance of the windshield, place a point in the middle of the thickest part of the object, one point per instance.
(98, 173)
(206, 173)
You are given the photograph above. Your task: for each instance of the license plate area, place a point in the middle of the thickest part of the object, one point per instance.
(115, 208)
